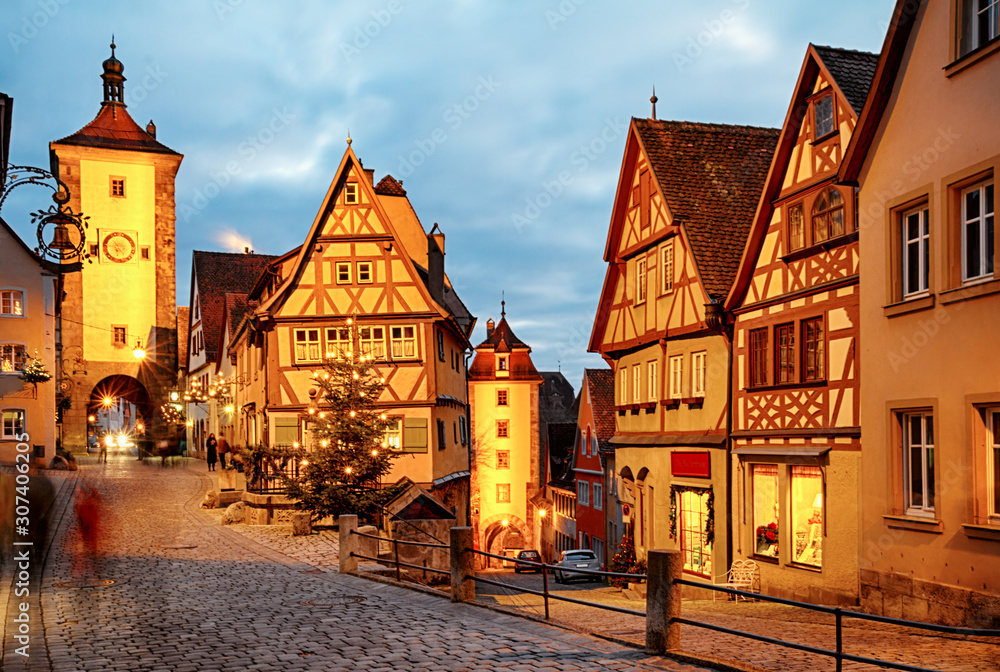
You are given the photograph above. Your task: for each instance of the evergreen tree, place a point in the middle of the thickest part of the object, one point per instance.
(342, 473)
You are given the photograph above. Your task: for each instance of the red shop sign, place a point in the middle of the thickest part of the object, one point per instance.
(697, 464)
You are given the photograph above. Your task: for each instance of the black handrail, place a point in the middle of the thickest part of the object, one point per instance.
(839, 614)
(395, 547)
(544, 593)
(400, 541)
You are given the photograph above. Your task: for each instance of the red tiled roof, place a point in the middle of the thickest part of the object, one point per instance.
(503, 341)
(219, 274)
(711, 177)
(388, 186)
(852, 70)
(113, 128)
(502, 334)
(601, 383)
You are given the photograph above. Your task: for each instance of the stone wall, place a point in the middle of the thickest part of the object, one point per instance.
(423, 531)
(902, 596)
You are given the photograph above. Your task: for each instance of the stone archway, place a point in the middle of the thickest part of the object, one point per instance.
(120, 403)
(498, 537)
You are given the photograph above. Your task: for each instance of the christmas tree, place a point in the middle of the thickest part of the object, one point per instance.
(623, 561)
(343, 470)
(34, 371)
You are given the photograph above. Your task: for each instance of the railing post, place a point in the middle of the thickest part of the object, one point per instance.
(462, 565)
(348, 544)
(545, 588)
(395, 552)
(663, 600)
(840, 638)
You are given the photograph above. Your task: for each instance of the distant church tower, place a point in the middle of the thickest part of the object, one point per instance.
(123, 179)
(503, 396)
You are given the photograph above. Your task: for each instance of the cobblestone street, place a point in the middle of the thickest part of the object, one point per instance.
(189, 594)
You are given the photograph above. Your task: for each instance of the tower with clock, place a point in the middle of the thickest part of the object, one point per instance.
(123, 178)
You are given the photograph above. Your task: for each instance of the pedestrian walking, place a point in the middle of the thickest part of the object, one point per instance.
(223, 449)
(210, 452)
(102, 455)
(88, 515)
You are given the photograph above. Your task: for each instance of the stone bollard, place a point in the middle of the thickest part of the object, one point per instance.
(663, 600)
(348, 542)
(302, 524)
(462, 565)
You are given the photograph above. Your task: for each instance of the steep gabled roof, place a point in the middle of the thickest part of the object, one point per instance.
(216, 274)
(113, 128)
(557, 402)
(851, 70)
(561, 440)
(710, 176)
(601, 384)
(389, 186)
(853, 67)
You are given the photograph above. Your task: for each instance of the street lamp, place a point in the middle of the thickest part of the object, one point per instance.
(138, 351)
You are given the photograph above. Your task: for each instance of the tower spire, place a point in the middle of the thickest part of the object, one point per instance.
(114, 80)
(653, 100)
(503, 305)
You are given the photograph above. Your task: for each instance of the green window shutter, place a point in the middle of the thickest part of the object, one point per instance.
(415, 435)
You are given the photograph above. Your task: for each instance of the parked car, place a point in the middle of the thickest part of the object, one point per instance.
(530, 556)
(579, 558)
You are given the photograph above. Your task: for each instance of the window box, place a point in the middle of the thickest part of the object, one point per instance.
(670, 403)
(648, 405)
(693, 401)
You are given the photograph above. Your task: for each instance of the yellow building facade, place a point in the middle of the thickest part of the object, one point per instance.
(925, 157)
(503, 397)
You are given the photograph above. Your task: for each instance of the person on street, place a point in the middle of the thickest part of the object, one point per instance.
(223, 449)
(210, 452)
(88, 515)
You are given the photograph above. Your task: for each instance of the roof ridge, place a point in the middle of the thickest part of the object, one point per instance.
(845, 50)
(708, 125)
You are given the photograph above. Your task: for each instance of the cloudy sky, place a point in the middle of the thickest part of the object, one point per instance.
(479, 107)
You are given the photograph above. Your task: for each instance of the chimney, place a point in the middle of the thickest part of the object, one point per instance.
(151, 128)
(370, 174)
(490, 326)
(435, 264)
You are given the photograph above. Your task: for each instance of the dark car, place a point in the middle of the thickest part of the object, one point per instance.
(580, 558)
(530, 556)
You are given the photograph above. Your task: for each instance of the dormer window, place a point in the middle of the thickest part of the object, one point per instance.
(351, 193)
(502, 363)
(824, 117)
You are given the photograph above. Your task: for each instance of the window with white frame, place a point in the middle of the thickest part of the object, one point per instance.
(698, 360)
(667, 267)
(623, 385)
(351, 193)
(651, 381)
(338, 342)
(918, 467)
(676, 376)
(394, 434)
(636, 384)
(12, 302)
(343, 272)
(12, 358)
(13, 422)
(404, 342)
(977, 232)
(916, 252)
(365, 276)
(980, 20)
(598, 496)
(372, 341)
(583, 493)
(306, 345)
(640, 279)
(502, 363)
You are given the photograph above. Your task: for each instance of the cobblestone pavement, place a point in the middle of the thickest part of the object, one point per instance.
(190, 594)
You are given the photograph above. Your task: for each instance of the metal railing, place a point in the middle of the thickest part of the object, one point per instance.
(838, 614)
(264, 474)
(395, 553)
(544, 592)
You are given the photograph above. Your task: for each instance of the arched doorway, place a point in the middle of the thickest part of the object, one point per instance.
(118, 413)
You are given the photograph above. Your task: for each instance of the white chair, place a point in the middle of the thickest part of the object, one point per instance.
(743, 575)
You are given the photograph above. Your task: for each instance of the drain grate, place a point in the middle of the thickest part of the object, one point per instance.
(173, 547)
(85, 583)
(332, 601)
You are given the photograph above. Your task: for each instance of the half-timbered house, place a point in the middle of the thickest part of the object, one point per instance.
(366, 262)
(596, 521)
(796, 428)
(685, 200)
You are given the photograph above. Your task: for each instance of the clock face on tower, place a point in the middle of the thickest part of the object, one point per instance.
(118, 247)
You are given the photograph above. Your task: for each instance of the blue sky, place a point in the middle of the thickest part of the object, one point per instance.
(479, 107)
